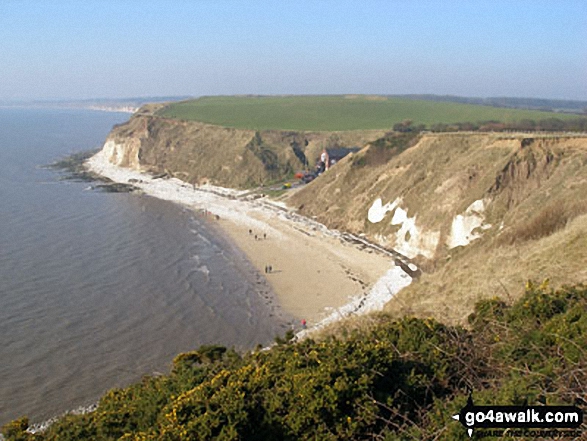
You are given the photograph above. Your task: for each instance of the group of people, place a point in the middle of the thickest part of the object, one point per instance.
(208, 213)
(257, 237)
(268, 269)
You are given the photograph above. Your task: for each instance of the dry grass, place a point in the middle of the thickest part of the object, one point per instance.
(414, 174)
(349, 325)
(537, 212)
(481, 271)
(549, 220)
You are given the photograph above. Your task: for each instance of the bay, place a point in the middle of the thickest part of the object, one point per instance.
(98, 289)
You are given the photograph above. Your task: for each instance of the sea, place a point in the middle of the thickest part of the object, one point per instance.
(100, 289)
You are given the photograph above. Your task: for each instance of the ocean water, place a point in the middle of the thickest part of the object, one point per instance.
(98, 289)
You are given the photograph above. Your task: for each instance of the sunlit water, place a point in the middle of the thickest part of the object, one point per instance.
(98, 289)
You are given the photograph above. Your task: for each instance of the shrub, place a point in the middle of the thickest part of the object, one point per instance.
(398, 380)
(383, 149)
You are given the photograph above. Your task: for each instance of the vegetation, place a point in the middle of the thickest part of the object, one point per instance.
(337, 113)
(549, 219)
(525, 125)
(383, 149)
(548, 105)
(268, 157)
(393, 380)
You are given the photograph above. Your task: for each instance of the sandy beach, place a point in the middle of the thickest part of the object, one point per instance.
(317, 275)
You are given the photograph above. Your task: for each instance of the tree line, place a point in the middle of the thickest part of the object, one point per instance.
(524, 125)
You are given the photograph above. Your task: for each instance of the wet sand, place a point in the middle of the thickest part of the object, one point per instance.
(316, 274)
(312, 273)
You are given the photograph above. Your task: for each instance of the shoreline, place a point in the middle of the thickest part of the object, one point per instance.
(318, 275)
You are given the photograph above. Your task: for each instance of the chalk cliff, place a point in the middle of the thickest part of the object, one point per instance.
(198, 153)
(478, 212)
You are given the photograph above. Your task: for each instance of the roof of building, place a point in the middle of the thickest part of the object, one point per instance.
(341, 152)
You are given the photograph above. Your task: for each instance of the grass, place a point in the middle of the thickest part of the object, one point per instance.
(550, 219)
(336, 113)
(480, 271)
(275, 193)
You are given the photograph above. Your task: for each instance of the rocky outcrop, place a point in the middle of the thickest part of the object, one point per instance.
(124, 153)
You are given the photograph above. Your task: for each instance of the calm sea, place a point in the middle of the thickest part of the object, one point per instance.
(98, 289)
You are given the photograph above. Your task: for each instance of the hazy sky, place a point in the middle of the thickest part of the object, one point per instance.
(87, 49)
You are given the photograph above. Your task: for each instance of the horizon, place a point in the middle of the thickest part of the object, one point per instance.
(101, 50)
(155, 99)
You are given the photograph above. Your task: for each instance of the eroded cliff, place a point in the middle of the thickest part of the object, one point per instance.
(480, 213)
(199, 153)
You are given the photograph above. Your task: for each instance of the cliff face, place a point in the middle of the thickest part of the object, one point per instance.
(193, 152)
(198, 153)
(447, 189)
(478, 212)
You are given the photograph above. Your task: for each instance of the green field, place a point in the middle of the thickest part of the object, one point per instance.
(333, 113)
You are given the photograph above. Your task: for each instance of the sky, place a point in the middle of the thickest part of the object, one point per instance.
(132, 48)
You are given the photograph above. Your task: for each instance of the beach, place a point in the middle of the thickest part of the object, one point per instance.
(316, 274)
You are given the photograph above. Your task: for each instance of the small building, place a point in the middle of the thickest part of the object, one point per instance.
(331, 156)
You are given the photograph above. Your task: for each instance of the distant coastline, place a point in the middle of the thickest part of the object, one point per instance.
(120, 109)
(119, 105)
(112, 109)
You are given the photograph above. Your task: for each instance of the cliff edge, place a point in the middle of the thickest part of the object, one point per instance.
(479, 213)
(201, 153)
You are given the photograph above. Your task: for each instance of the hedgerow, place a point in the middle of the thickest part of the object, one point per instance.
(401, 380)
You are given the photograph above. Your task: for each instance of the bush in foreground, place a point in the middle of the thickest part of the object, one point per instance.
(400, 380)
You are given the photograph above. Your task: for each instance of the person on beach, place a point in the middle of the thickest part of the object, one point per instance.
(250, 231)
(304, 323)
(264, 235)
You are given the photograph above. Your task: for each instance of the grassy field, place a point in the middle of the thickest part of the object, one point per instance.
(336, 113)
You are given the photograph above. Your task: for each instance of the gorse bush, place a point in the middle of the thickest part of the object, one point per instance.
(399, 380)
